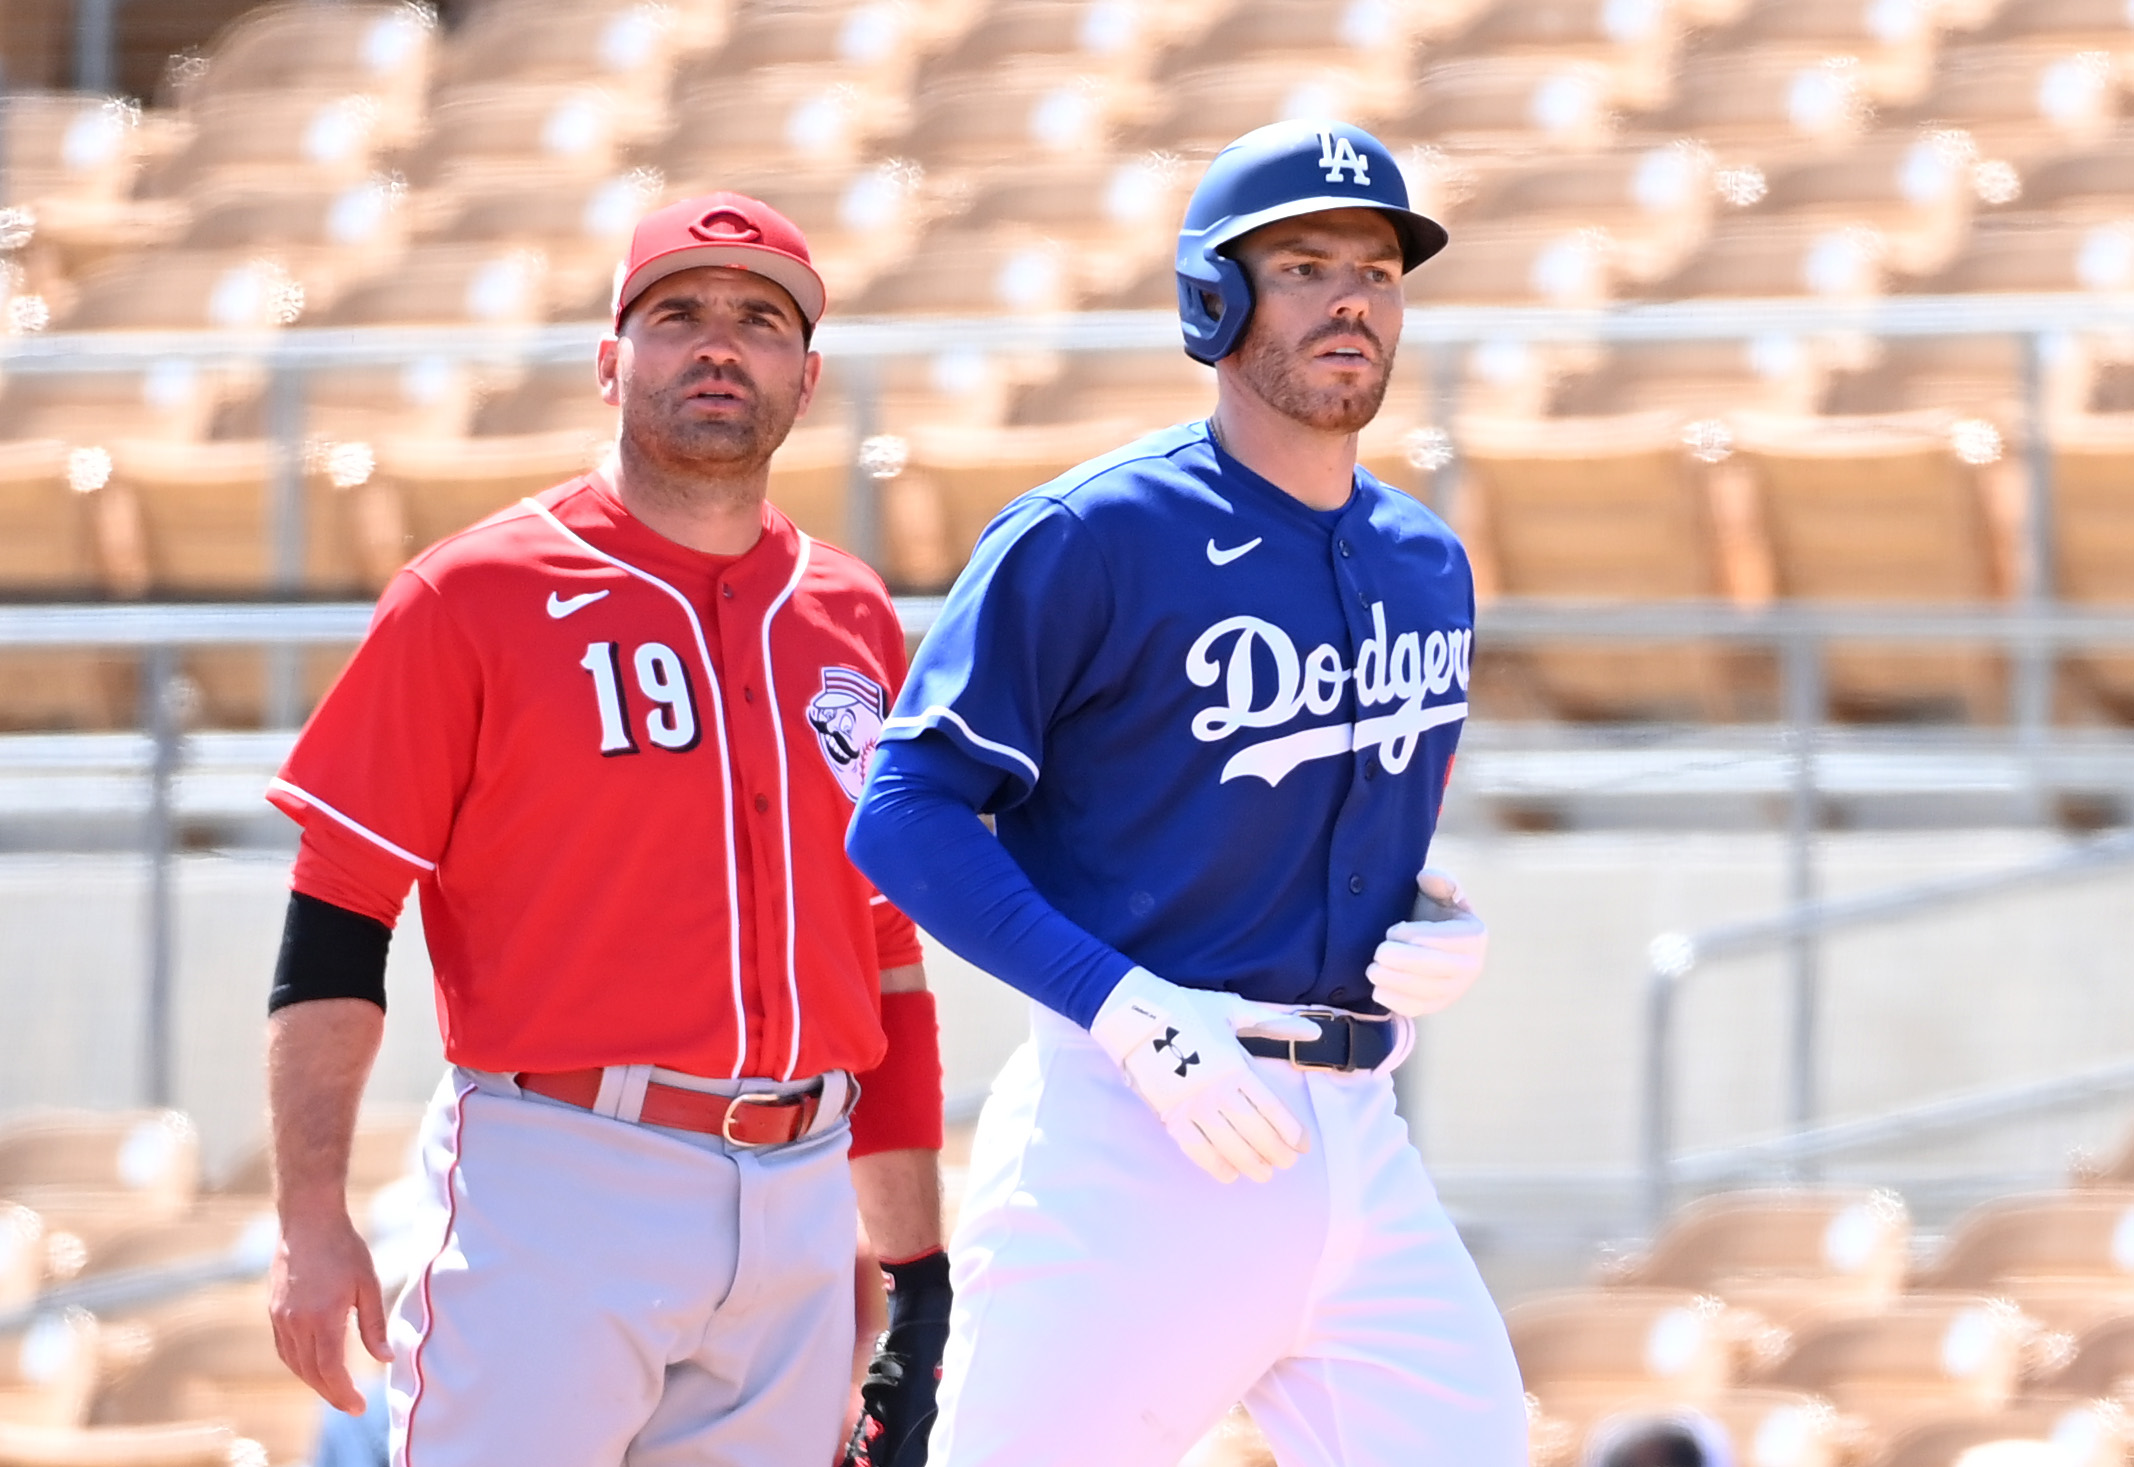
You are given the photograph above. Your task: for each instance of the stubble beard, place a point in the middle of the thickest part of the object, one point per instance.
(694, 455)
(1276, 374)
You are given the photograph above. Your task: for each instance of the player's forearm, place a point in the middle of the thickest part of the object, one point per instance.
(900, 1201)
(922, 844)
(319, 1054)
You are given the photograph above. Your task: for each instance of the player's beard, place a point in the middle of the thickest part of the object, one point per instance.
(662, 428)
(1276, 373)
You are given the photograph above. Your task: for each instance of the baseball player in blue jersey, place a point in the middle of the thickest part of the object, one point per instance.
(1209, 687)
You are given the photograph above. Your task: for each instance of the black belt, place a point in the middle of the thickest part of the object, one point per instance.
(1346, 1042)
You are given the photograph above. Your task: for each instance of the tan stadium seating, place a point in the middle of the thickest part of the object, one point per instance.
(1916, 192)
(1884, 509)
(1772, 1428)
(215, 1227)
(1655, 202)
(1146, 389)
(1695, 380)
(1112, 215)
(190, 290)
(2081, 180)
(1513, 105)
(630, 47)
(1203, 109)
(545, 399)
(216, 1364)
(2032, 251)
(64, 146)
(579, 224)
(446, 284)
(1509, 263)
(950, 388)
(49, 542)
(2093, 522)
(1582, 1352)
(381, 51)
(1780, 1253)
(1037, 108)
(1093, 34)
(1609, 510)
(2021, 98)
(149, 1157)
(36, 39)
(1977, 375)
(883, 44)
(351, 405)
(1922, 1356)
(560, 127)
(298, 136)
(48, 1370)
(2076, 1433)
(801, 117)
(1766, 103)
(1374, 40)
(1894, 50)
(173, 1444)
(2099, 1364)
(443, 485)
(812, 479)
(1638, 47)
(978, 272)
(2066, 1257)
(22, 1256)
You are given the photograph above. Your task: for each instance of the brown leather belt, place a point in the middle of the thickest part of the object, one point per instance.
(739, 1120)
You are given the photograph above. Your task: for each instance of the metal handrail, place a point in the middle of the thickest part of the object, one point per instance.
(1673, 957)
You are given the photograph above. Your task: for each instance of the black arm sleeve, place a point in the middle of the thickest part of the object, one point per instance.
(328, 952)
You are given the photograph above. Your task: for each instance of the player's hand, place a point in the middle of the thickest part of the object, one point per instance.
(897, 1397)
(1179, 1049)
(322, 1271)
(1423, 966)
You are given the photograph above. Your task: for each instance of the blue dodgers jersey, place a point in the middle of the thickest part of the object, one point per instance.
(1225, 718)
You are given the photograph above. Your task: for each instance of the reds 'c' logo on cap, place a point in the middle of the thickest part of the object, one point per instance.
(726, 226)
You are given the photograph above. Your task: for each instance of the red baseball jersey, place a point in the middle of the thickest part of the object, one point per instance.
(620, 771)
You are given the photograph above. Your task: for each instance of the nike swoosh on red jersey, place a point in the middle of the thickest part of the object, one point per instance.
(1224, 557)
(559, 607)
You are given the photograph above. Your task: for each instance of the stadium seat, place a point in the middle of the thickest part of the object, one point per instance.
(173, 1444)
(1766, 103)
(48, 520)
(215, 1227)
(1522, 264)
(216, 1364)
(1696, 380)
(977, 471)
(2033, 251)
(798, 117)
(1770, 1428)
(1978, 375)
(1612, 510)
(446, 484)
(1888, 509)
(1921, 1356)
(2066, 1257)
(448, 284)
(36, 39)
(1638, 46)
(48, 1371)
(22, 1256)
(2093, 523)
(68, 153)
(1093, 34)
(2070, 1432)
(1040, 108)
(1145, 388)
(1201, 110)
(579, 224)
(383, 52)
(556, 127)
(1780, 1253)
(860, 220)
(631, 48)
(272, 139)
(881, 43)
(190, 290)
(1655, 203)
(2079, 181)
(1581, 1351)
(2023, 98)
(978, 272)
(54, 1160)
(2099, 1364)
(548, 398)
(1894, 46)
(1489, 107)
(1372, 38)
(1114, 216)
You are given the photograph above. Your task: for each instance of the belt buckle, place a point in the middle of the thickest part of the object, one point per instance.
(733, 1108)
(1322, 1017)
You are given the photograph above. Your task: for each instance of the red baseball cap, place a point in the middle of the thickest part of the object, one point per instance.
(720, 229)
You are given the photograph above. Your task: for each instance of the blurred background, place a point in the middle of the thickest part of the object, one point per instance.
(1780, 378)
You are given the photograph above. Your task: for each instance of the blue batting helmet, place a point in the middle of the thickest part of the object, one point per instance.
(1279, 172)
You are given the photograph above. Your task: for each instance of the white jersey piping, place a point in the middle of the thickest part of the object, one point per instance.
(357, 826)
(726, 771)
(785, 800)
(927, 718)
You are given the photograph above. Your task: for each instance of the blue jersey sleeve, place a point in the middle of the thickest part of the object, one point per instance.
(917, 836)
(1012, 645)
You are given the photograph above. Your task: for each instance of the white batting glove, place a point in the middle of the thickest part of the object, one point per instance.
(1424, 965)
(1179, 1049)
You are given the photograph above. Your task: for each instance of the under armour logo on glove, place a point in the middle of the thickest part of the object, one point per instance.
(1185, 1061)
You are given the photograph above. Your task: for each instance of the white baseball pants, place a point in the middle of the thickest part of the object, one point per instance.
(604, 1293)
(1113, 1300)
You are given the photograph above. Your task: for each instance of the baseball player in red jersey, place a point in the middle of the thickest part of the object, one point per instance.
(614, 733)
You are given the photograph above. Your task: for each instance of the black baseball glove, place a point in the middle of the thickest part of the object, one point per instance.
(897, 1397)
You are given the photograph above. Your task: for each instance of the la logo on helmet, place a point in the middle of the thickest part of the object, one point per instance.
(1337, 153)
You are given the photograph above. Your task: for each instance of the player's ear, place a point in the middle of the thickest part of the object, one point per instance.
(810, 375)
(607, 363)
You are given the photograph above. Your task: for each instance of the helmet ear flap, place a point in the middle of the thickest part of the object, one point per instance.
(1212, 332)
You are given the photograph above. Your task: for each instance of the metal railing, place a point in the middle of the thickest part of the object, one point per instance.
(1675, 957)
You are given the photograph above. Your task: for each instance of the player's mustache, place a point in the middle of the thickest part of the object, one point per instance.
(1343, 331)
(731, 376)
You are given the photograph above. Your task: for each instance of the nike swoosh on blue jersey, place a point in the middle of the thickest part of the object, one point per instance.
(1224, 557)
